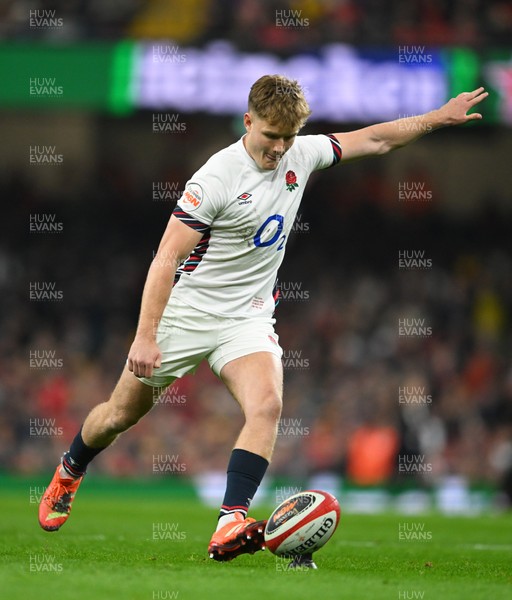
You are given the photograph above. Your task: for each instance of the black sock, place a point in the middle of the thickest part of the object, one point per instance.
(79, 455)
(245, 472)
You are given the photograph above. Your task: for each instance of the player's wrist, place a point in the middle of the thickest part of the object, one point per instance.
(436, 119)
(146, 332)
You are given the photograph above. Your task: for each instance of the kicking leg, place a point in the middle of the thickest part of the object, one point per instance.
(130, 400)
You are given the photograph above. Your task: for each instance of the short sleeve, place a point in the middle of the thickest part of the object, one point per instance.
(320, 151)
(201, 201)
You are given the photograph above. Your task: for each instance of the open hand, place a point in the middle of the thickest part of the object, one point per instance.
(454, 112)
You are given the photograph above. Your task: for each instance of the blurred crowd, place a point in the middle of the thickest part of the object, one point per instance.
(361, 392)
(277, 25)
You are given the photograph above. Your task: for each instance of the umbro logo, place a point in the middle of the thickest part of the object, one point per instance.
(244, 198)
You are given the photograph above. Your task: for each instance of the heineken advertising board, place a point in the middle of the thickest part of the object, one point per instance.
(342, 83)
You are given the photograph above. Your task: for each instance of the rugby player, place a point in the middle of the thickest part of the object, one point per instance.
(209, 292)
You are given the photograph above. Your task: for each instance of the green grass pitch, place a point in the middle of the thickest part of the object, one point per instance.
(124, 541)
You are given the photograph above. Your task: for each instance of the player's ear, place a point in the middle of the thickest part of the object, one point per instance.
(247, 121)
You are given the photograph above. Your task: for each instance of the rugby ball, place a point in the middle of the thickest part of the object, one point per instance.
(302, 524)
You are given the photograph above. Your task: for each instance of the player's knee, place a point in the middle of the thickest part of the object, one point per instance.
(275, 407)
(266, 408)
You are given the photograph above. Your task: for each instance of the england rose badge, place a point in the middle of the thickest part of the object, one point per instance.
(291, 181)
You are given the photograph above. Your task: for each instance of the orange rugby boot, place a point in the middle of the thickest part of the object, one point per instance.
(240, 536)
(56, 502)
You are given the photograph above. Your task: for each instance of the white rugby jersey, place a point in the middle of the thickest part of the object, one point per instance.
(245, 214)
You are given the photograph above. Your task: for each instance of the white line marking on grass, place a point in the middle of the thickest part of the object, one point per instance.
(487, 546)
(358, 544)
(506, 547)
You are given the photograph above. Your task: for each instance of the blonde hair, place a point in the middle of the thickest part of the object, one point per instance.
(279, 101)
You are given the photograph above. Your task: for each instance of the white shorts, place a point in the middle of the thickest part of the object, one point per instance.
(186, 335)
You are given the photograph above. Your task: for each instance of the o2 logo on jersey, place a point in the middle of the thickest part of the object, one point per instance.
(271, 232)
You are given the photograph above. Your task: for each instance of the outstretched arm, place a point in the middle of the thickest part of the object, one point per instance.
(384, 137)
